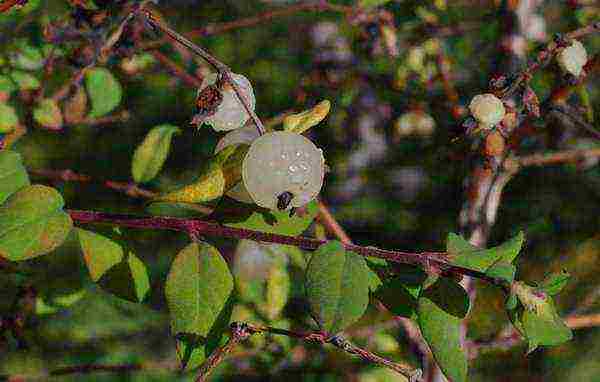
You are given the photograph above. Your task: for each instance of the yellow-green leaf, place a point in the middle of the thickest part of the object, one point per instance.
(32, 223)
(48, 114)
(8, 118)
(150, 155)
(99, 252)
(128, 279)
(12, 174)
(299, 123)
(104, 90)
(24, 80)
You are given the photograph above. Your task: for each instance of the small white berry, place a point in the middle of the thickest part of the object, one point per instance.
(487, 109)
(230, 114)
(283, 170)
(572, 58)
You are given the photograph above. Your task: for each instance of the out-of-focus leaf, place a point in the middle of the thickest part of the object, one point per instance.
(337, 286)
(299, 123)
(8, 118)
(151, 154)
(13, 176)
(75, 107)
(198, 287)
(48, 114)
(104, 90)
(26, 57)
(372, 3)
(440, 321)
(24, 80)
(99, 252)
(7, 86)
(260, 219)
(223, 172)
(32, 223)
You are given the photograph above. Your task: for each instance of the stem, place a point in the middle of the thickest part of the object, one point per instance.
(201, 227)
(220, 67)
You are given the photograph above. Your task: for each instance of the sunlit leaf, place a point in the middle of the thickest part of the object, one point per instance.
(151, 154)
(13, 176)
(8, 118)
(48, 114)
(299, 123)
(99, 252)
(104, 90)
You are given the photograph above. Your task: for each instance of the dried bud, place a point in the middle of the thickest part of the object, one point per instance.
(494, 144)
(487, 109)
(572, 58)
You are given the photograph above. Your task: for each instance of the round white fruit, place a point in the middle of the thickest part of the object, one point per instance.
(230, 114)
(487, 109)
(573, 58)
(283, 162)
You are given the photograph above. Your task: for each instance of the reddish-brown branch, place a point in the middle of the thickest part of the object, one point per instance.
(553, 158)
(8, 4)
(177, 70)
(329, 221)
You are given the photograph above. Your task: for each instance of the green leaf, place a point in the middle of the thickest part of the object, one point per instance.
(277, 291)
(13, 176)
(555, 282)
(299, 123)
(8, 118)
(400, 293)
(24, 80)
(7, 86)
(32, 223)
(441, 327)
(48, 114)
(99, 252)
(26, 57)
(537, 318)
(104, 90)
(151, 154)
(463, 254)
(260, 219)
(372, 3)
(128, 279)
(337, 286)
(502, 270)
(198, 288)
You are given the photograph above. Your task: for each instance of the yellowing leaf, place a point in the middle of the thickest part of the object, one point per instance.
(99, 252)
(299, 123)
(48, 114)
(8, 118)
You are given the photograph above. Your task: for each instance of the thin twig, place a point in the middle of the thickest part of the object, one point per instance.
(202, 227)
(553, 158)
(178, 71)
(220, 67)
(329, 221)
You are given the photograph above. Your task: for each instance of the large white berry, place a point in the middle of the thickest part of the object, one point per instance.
(230, 114)
(283, 170)
(572, 59)
(487, 109)
(243, 135)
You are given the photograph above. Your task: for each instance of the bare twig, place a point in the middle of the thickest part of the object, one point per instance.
(553, 158)
(329, 221)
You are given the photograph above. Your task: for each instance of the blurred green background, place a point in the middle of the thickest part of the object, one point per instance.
(386, 188)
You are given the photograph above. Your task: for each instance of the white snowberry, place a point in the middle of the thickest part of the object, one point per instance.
(230, 114)
(243, 135)
(487, 109)
(572, 59)
(283, 170)
(414, 122)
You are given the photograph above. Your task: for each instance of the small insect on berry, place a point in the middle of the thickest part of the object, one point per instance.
(283, 170)
(487, 109)
(573, 58)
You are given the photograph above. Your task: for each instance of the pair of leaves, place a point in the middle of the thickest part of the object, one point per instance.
(150, 155)
(337, 287)
(533, 313)
(123, 276)
(198, 289)
(495, 262)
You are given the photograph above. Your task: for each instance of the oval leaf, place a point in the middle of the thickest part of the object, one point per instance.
(104, 90)
(32, 223)
(12, 174)
(151, 154)
(99, 252)
(337, 287)
(8, 118)
(441, 329)
(299, 123)
(48, 114)
(198, 288)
